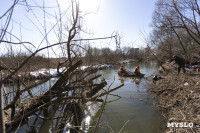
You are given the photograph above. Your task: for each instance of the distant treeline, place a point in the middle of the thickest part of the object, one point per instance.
(36, 62)
(109, 56)
(90, 56)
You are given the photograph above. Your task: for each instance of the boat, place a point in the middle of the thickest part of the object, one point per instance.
(130, 74)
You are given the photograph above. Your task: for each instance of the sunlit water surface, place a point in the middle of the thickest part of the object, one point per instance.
(132, 113)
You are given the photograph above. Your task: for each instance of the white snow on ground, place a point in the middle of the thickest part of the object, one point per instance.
(46, 72)
(84, 67)
(53, 72)
(35, 74)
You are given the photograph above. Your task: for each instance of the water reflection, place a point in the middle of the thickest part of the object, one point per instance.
(131, 113)
(86, 124)
(121, 79)
(126, 109)
(136, 80)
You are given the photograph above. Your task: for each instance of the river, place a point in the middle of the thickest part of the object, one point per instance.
(133, 112)
(128, 110)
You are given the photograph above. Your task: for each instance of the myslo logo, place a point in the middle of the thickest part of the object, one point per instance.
(180, 124)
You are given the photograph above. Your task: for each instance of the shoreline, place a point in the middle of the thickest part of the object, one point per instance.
(178, 99)
(43, 73)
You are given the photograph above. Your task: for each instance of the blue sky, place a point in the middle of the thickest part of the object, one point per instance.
(128, 17)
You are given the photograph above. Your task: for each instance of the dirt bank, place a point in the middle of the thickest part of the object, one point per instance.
(179, 99)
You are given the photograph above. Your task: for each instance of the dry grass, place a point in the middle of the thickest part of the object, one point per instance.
(179, 97)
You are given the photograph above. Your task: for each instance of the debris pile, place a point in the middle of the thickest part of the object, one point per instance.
(179, 99)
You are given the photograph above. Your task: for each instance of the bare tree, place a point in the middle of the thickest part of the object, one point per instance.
(175, 32)
(73, 88)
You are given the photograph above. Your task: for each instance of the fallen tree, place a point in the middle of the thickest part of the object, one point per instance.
(65, 90)
(19, 101)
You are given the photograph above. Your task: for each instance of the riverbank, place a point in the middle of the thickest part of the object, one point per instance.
(44, 72)
(179, 99)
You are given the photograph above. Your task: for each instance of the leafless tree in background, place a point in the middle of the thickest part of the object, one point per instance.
(74, 87)
(176, 28)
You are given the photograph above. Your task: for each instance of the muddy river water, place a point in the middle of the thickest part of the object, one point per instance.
(133, 112)
(128, 110)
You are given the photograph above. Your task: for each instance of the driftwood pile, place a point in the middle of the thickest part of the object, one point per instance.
(71, 91)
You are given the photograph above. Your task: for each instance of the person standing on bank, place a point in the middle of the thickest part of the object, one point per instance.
(180, 62)
(197, 59)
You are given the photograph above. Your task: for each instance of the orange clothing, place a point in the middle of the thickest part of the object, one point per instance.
(122, 69)
(137, 70)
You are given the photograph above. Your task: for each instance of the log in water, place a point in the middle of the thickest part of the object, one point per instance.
(128, 109)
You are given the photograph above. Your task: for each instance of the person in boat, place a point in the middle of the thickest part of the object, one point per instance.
(180, 62)
(137, 70)
(122, 70)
